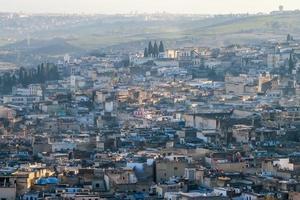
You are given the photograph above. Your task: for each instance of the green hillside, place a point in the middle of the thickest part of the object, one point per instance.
(211, 31)
(175, 30)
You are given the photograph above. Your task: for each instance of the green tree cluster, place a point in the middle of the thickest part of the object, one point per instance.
(24, 77)
(289, 37)
(154, 50)
(291, 63)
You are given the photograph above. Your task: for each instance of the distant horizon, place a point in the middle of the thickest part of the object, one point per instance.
(142, 13)
(113, 7)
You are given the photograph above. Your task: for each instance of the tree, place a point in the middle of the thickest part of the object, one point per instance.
(146, 52)
(291, 64)
(25, 77)
(215, 53)
(161, 47)
(52, 72)
(39, 74)
(42, 73)
(155, 50)
(55, 72)
(47, 71)
(7, 83)
(288, 37)
(150, 49)
(22, 76)
(212, 75)
(202, 62)
(14, 80)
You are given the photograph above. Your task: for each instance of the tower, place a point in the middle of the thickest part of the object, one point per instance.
(281, 8)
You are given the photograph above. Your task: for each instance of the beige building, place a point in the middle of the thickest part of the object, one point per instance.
(7, 113)
(294, 195)
(267, 82)
(273, 60)
(235, 84)
(242, 133)
(194, 174)
(201, 122)
(8, 188)
(226, 162)
(171, 53)
(86, 196)
(162, 189)
(25, 177)
(165, 169)
(121, 180)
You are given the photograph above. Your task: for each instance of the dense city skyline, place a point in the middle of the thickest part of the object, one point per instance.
(149, 100)
(141, 6)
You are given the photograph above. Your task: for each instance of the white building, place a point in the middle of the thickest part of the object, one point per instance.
(62, 146)
(31, 90)
(20, 100)
(273, 60)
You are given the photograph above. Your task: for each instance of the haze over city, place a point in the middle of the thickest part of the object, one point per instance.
(149, 99)
(149, 6)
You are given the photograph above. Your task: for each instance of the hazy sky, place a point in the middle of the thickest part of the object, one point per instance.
(126, 6)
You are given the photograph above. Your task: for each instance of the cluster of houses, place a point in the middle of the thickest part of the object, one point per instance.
(192, 123)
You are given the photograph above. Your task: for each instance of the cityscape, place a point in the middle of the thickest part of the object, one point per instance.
(145, 106)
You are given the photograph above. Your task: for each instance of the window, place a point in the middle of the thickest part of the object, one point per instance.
(97, 185)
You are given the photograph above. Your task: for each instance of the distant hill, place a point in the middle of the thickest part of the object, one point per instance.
(211, 31)
(55, 46)
(133, 32)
